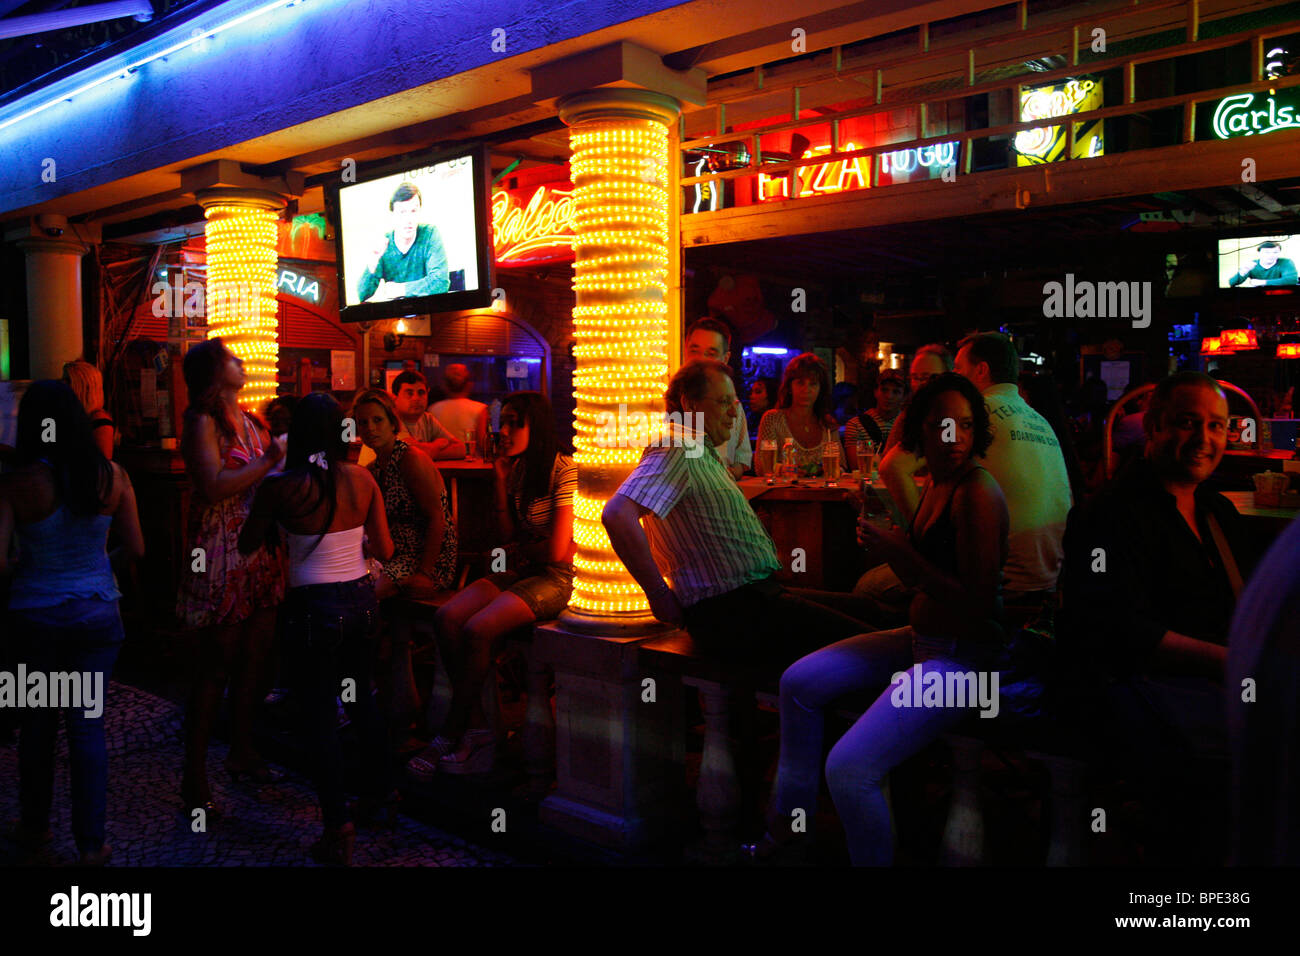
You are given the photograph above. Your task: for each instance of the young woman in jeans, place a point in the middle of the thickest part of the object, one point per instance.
(328, 508)
(952, 557)
(60, 503)
(533, 498)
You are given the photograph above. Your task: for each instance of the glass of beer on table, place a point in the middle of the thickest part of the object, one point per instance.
(831, 463)
(866, 457)
(767, 459)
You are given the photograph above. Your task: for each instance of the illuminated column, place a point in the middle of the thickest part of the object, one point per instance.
(241, 308)
(619, 170)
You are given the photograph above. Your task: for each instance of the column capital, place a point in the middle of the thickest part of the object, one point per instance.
(241, 196)
(63, 247)
(618, 103)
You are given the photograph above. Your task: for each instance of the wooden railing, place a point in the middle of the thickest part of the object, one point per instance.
(1127, 64)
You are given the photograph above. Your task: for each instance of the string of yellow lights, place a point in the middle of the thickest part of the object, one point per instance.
(241, 304)
(620, 331)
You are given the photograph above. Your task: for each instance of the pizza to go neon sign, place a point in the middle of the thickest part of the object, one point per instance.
(533, 227)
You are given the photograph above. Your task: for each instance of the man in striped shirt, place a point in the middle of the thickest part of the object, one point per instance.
(702, 535)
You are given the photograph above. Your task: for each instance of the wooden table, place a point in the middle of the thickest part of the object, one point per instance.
(469, 488)
(454, 469)
(814, 528)
(1261, 525)
(1244, 502)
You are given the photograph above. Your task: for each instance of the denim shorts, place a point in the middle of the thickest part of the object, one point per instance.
(545, 588)
(332, 612)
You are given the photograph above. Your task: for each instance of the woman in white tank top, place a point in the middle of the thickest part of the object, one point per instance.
(331, 512)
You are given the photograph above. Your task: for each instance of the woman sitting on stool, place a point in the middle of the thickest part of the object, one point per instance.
(952, 555)
(533, 494)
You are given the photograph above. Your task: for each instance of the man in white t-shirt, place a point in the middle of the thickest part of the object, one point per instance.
(709, 339)
(1025, 458)
(458, 412)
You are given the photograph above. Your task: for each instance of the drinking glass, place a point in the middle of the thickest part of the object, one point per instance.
(866, 456)
(831, 464)
(767, 459)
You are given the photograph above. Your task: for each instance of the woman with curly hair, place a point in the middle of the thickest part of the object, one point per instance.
(951, 556)
(228, 597)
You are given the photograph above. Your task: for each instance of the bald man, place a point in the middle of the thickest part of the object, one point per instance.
(458, 412)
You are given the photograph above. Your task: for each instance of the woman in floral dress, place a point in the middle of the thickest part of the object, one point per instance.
(228, 598)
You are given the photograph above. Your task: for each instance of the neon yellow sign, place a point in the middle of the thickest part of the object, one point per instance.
(1046, 144)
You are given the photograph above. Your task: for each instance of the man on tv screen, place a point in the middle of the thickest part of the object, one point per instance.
(410, 261)
(1268, 269)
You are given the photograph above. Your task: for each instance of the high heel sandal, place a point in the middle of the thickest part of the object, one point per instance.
(479, 748)
(425, 765)
(335, 846)
(193, 798)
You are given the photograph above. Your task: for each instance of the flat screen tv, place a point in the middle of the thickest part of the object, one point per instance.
(1259, 262)
(413, 237)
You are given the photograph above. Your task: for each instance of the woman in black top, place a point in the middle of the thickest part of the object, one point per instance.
(952, 557)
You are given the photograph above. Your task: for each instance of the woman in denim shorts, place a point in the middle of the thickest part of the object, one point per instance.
(328, 509)
(533, 496)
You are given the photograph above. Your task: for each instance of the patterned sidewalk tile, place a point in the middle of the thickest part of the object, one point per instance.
(267, 826)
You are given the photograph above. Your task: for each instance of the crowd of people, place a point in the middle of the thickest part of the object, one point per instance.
(1136, 589)
(286, 536)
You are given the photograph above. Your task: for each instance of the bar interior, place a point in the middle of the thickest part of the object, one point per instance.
(858, 438)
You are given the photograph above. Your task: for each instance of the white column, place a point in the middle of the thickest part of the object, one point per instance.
(53, 303)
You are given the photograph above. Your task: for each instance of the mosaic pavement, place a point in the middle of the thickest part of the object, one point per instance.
(270, 826)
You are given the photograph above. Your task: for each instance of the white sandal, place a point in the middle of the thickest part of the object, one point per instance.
(424, 765)
(480, 759)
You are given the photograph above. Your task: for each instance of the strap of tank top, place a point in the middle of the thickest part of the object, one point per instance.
(948, 504)
(252, 437)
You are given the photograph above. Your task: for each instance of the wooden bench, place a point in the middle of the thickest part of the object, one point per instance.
(537, 736)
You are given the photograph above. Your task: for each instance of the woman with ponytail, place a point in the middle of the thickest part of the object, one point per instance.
(328, 509)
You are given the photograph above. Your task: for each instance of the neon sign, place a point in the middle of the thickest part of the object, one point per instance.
(1234, 116)
(938, 155)
(539, 230)
(833, 177)
(707, 195)
(299, 286)
(1046, 144)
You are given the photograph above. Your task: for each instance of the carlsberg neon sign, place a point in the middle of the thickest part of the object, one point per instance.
(1234, 116)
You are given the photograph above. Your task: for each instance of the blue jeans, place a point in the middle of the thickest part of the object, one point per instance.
(82, 636)
(883, 737)
(330, 637)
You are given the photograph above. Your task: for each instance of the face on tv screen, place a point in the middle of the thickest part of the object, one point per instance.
(410, 235)
(1259, 262)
